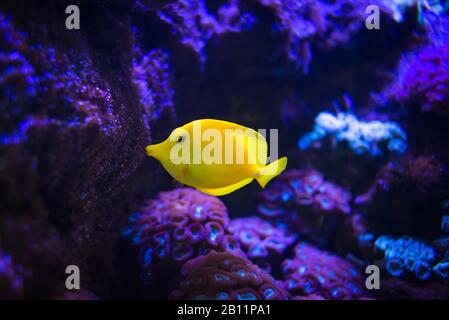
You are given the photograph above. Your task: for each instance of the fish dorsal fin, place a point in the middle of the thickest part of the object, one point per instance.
(225, 190)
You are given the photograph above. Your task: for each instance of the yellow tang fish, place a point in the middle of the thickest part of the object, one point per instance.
(216, 157)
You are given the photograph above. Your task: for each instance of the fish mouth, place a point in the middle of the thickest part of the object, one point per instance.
(153, 150)
(150, 150)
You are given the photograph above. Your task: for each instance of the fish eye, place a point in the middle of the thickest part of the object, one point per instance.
(180, 139)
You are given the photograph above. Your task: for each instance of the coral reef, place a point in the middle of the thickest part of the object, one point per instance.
(152, 76)
(406, 255)
(362, 137)
(78, 108)
(302, 201)
(315, 272)
(263, 243)
(224, 276)
(322, 24)
(408, 191)
(195, 25)
(398, 8)
(423, 76)
(176, 226)
(71, 141)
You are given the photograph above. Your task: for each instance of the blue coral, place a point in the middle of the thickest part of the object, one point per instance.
(407, 255)
(363, 137)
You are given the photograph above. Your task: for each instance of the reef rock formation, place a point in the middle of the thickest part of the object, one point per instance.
(73, 132)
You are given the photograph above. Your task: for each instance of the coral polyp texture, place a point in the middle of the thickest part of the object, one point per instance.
(361, 136)
(263, 243)
(72, 132)
(224, 276)
(79, 107)
(302, 201)
(424, 77)
(408, 256)
(176, 226)
(152, 76)
(40, 86)
(322, 24)
(315, 272)
(196, 25)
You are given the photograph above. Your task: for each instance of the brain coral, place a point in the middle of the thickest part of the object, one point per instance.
(224, 276)
(176, 226)
(262, 242)
(317, 272)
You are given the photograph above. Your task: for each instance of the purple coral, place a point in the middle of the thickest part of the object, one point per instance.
(317, 272)
(303, 201)
(424, 77)
(40, 86)
(262, 242)
(176, 226)
(224, 276)
(308, 23)
(11, 278)
(152, 76)
(195, 25)
(16, 74)
(71, 138)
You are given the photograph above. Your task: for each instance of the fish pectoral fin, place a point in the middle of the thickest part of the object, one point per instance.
(225, 190)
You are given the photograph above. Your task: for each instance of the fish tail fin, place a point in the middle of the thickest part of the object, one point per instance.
(270, 171)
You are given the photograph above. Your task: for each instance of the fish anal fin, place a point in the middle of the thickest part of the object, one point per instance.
(225, 190)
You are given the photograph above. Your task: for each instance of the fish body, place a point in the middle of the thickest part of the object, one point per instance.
(216, 157)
